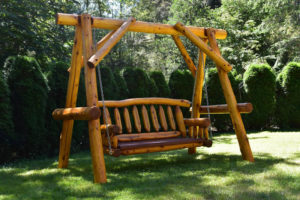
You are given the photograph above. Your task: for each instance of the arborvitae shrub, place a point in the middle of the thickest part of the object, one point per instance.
(29, 89)
(58, 84)
(6, 124)
(139, 84)
(123, 91)
(110, 87)
(216, 96)
(259, 84)
(288, 96)
(160, 82)
(181, 84)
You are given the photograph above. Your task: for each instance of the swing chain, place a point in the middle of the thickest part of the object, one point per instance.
(104, 110)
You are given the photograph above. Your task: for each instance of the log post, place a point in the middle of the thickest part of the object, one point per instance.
(185, 54)
(197, 98)
(73, 83)
(232, 104)
(92, 100)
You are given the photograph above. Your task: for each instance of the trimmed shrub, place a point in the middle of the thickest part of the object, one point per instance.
(139, 84)
(160, 82)
(181, 84)
(29, 89)
(216, 96)
(259, 83)
(6, 123)
(123, 91)
(288, 96)
(110, 87)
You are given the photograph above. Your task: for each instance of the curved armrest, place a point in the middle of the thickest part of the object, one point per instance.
(113, 130)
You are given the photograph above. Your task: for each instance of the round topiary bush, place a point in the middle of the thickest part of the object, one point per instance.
(139, 84)
(160, 82)
(29, 90)
(181, 84)
(259, 84)
(6, 124)
(288, 96)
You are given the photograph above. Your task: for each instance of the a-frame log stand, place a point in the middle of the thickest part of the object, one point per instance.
(83, 48)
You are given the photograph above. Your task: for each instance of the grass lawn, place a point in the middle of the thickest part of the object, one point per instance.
(213, 173)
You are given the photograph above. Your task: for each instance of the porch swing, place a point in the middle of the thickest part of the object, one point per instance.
(165, 132)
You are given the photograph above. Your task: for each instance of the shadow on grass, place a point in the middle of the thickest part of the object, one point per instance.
(147, 176)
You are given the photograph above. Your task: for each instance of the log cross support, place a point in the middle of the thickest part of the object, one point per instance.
(232, 103)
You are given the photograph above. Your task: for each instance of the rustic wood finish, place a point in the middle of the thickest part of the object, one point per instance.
(78, 113)
(138, 26)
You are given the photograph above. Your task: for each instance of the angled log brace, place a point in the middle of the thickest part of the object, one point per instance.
(185, 54)
(110, 43)
(219, 60)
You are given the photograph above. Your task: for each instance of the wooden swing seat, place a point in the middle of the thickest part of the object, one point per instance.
(150, 137)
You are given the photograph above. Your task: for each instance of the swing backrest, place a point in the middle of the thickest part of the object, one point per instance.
(132, 115)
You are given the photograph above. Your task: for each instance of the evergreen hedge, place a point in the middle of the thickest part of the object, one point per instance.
(288, 96)
(139, 84)
(123, 91)
(58, 83)
(181, 84)
(259, 84)
(161, 83)
(110, 87)
(216, 96)
(29, 90)
(6, 124)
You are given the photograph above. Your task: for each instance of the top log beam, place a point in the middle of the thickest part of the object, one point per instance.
(138, 26)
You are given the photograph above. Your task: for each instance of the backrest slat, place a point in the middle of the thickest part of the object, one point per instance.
(162, 118)
(179, 120)
(154, 118)
(107, 116)
(145, 118)
(118, 120)
(127, 120)
(171, 118)
(136, 117)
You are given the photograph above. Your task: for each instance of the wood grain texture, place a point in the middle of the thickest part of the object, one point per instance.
(179, 120)
(232, 104)
(92, 99)
(118, 120)
(162, 118)
(138, 26)
(127, 120)
(154, 118)
(145, 117)
(72, 91)
(219, 60)
(78, 113)
(136, 118)
(147, 136)
(171, 118)
(146, 101)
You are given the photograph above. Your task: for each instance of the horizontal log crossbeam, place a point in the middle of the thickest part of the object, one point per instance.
(78, 113)
(138, 26)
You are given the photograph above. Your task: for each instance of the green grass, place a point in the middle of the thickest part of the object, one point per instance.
(213, 173)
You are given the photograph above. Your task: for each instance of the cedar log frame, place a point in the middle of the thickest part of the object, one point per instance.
(84, 53)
